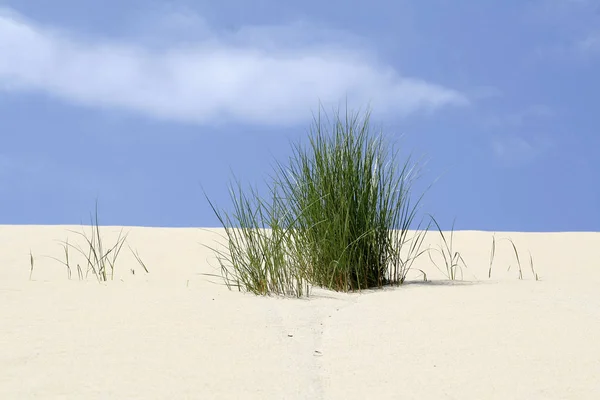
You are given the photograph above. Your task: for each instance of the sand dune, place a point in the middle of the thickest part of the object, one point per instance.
(177, 334)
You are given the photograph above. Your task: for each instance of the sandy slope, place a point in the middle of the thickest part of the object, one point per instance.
(173, 334)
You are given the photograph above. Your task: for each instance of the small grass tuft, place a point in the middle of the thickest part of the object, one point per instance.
(100, 260)
(138, 259)
(452, 259)
(31, 262)
(65, 246)
(537, 278)
(492, 255)
(518, 259)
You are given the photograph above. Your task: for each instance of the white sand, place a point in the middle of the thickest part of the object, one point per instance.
(172, 334)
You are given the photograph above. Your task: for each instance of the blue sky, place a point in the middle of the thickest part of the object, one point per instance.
(142, 103)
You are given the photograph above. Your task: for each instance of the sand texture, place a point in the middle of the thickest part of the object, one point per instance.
(177, 334)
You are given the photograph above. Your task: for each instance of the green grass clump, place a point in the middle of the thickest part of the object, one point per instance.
(338, 217)
(260, 254)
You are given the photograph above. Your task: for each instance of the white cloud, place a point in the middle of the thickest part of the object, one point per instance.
(510, 146)
(526, 117)
(591, 44)
(522, 135)
(561, 12)
(244, 77)
(574, 29)
(516, 149)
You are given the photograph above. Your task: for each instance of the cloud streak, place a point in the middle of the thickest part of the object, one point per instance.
(516, 150)
(207, 80)
(591, 44)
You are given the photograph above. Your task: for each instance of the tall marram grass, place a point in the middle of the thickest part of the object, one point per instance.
(259, 254)
(338, 216)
